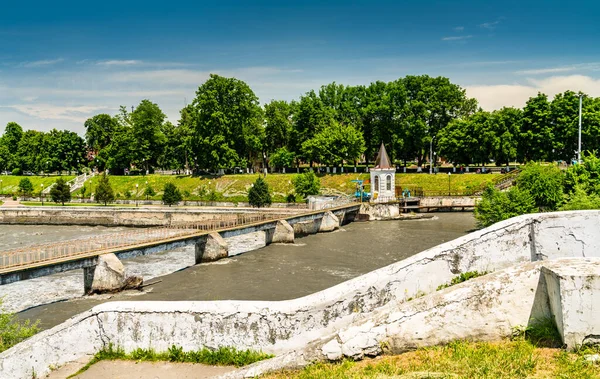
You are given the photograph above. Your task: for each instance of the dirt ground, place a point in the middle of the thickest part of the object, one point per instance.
(140, 370)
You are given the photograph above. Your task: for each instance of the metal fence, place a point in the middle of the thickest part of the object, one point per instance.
(108, 242)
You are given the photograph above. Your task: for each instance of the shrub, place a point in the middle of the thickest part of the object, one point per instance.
(258, 195)
(128, 194)
(17, 171)
(104, 190)
(291, 198)
(544, 183)
(306, 184)
(25, 187)
(12, 331)
(282, 158)
(149, 191)
(497, 206)
(579, 200)
(60, 192)
(171, 194)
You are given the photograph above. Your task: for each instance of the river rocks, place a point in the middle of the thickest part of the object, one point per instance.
(284, 232)
(211, 248)
(109, 276)
(329, 223)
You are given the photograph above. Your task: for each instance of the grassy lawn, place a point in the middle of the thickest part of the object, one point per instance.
(505, 359)
(235, 187)
(53, 204)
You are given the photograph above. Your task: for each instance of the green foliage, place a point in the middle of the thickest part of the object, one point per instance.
(306, 184)
(171, 194)
(544, 182)
(282, 158)
(82, 191)
(542, 332)
(335, 144)
(463, 277)
(497, 206)
(17, 171)
(149, 191)
(13, 331)
(60, 192)
(127, 194)
(579, 199)
(104, 190)
(223, 356)
(258, 194)
(25, 187)
(291, 198)
(585, 175)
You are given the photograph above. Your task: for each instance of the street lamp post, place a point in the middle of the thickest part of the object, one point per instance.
(449, 174)
(146, 190)
(42, 194)
(579, 145)
(431, 154)
(136, 194)
(1, 186)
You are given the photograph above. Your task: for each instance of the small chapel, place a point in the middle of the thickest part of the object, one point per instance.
(383, 178)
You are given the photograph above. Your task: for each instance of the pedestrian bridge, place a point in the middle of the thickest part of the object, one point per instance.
(41, 260)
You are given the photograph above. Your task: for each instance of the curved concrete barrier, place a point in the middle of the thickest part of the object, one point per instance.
(281, 327)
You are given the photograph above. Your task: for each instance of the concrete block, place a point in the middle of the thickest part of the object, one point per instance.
(284, 232)
(574, 297)
(304, 228)
(109, 274)
(329, 223)
(211, 248)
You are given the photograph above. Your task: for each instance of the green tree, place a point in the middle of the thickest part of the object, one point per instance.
(282, 157)
(104, 190)
(60, 192)
(278, 125)
(496, 206)
(306, 184)
(25, 187)
(147, 135)
(100, 131)
(579, 199)
(149, 191)
(171, 194)
(536, 137)
(545, 183)
(258, 194)
(226, 120)
(335, 144)
(585, 175)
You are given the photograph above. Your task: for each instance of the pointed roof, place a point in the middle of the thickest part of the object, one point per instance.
(383, 160)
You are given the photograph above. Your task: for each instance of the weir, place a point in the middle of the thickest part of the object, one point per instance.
(210, 243)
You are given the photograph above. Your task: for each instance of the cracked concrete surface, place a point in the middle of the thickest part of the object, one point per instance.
(362, 315)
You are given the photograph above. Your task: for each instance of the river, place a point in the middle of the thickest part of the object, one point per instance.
(275, 272)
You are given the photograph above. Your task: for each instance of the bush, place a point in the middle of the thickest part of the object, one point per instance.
(497, 206)
(149, 191)
(306, 184)
(128, 194)
(25, 187)
(282, 158)
(60, 192)
(580, 200)
(544, 183)
(104, 191)
(17, 171)
(258, 195)
(12, 331)
(171, 194)
(291, 198)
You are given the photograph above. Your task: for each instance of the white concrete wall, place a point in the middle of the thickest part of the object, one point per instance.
(280, 327)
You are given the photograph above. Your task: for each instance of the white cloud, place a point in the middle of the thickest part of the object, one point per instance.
(456, 38)
(489, 25)
(129, 62)
(53, 112)
(545, 70)
(41, 63)
(459, 28)
(492, 97)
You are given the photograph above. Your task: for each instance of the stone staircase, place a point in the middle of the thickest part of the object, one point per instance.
(75, 183)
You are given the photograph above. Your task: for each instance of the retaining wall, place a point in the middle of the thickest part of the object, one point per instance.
(123, 216)
(281, 327)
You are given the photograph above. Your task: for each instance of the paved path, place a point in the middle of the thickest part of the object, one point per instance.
(140, 370)
(9, 202)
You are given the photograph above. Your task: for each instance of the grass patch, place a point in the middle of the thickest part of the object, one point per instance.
(53, 204)
(461, 359)
(463, 277)
(224, 356)
(542, 332)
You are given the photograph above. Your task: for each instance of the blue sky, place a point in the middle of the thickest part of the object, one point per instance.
(64, 61)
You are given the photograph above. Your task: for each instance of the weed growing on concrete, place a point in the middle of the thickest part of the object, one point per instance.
(540, 332)
(462, 278)
(224, 356)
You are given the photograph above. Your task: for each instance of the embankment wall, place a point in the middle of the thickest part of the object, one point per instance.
(282, 327)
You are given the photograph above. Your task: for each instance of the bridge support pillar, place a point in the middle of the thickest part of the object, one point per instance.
(211, 248)
(284, 233)
(88, 278)
(329, 222)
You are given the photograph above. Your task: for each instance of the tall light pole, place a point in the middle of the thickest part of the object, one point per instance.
(449, 174)
(136, 194)
(431, 153)
(42, 194)
(579, 145)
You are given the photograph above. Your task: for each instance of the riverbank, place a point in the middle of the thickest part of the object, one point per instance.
(275, 272)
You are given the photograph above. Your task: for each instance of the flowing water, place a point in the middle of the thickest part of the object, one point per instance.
(276, 272)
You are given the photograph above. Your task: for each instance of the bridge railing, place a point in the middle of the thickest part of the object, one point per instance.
(99, 244)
